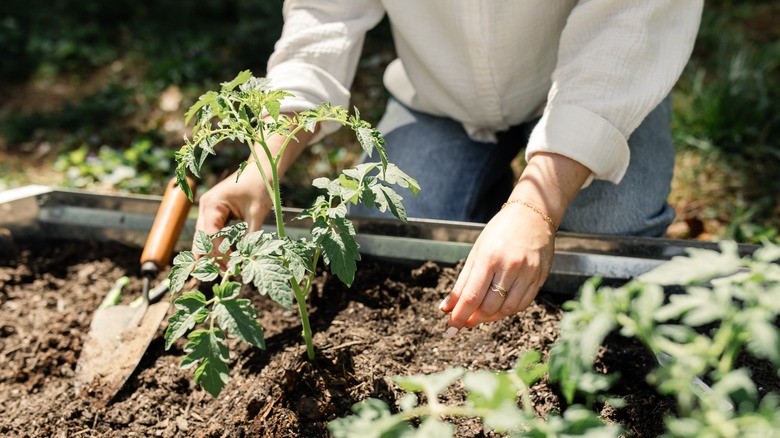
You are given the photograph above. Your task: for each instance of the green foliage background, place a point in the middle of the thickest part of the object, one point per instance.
(92, 75)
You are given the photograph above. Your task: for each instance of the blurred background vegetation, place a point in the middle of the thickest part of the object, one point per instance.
(92, 95)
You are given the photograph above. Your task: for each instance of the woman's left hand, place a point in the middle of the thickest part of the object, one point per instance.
(505, 269)
(512, 257)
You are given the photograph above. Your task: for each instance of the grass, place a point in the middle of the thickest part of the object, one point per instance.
(107, 78)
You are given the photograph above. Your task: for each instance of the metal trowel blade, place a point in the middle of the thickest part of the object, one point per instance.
(118, 339)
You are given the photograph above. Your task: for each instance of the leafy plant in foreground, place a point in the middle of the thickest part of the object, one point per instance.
(492, 397)
(729, 306)
(248, 111)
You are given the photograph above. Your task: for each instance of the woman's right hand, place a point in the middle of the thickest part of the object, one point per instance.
(247, 199)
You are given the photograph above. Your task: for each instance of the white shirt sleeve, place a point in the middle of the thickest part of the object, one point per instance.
(617, 60)
(318, 52)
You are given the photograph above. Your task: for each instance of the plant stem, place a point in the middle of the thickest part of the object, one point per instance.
(300, 298)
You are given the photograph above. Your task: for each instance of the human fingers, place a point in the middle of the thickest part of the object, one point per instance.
(213, 215)
(518, 298)
(448, 303)
(513, 252)
(471, 297)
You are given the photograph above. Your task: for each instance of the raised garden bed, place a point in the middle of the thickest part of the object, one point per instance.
(386, 324)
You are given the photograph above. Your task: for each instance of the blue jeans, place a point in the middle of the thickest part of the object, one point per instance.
(465, 180)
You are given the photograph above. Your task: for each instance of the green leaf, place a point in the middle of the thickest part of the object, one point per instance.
(202, 243)
(242, 77)
(372, 419)
(394, 175)
(191, 310)
(764, 340)
(181, 177)
(241, 168)
(232, 233)
(528, 367)
(769, 252)
(206, 99)
(207, 349)
(699, 266)
(366, 139)
(386, 198)
(495, 393)
(206, 269)
(298, 254)
(349, 191)
(239, 318)
(226, 291)
(270, 276)
(431, 384)
(310, 124)
(183, 264)
(339, 248)
(433, 428)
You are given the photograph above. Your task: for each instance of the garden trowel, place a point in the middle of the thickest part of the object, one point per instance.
(120, 334)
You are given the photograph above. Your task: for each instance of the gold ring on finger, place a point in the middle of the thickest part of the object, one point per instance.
(496, 288)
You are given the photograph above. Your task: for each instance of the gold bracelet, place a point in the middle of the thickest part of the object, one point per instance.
(536, 209)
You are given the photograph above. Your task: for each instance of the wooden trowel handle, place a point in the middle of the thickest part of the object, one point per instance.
(167, 226)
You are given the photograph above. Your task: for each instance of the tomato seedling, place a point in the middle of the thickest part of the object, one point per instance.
(248, 110)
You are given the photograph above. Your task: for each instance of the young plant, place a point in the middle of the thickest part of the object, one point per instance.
(728, 306)
(248, 110)
(491, 397)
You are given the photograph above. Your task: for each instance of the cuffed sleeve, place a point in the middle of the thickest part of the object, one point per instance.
(617, 60)
(317, 55)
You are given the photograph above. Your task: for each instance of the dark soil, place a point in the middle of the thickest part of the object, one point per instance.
(386, 324)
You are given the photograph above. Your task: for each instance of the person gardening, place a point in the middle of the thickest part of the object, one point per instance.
(582, 86)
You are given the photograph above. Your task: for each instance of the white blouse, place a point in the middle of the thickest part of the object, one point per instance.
(592, 69)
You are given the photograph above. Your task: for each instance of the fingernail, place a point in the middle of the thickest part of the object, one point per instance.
(451, 332)
(444, 303)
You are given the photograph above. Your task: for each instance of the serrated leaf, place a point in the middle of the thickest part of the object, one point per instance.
(769, 252)
(202, 243)
(181, 179)
(365, 138)
(239, 318)
(321, 182)
(232, 233)
(394, 175)
(255, 84)
(183, 264)
(699, 266)
(372, 419)
(270, 276)
(226, 291)
(339, 211)
(205, 99)
(191, 311)
(242, 77)
(339, 248)
(298, 254)
(386, 198)
(207, 349)
(430, 384)
(206, 269)
(348, 188)
(310, 124)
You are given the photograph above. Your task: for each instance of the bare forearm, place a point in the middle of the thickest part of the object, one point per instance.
(550, 182)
